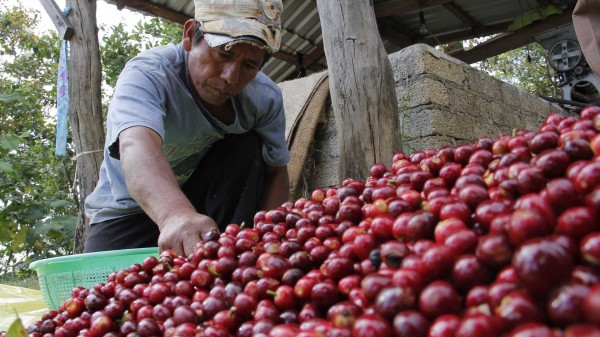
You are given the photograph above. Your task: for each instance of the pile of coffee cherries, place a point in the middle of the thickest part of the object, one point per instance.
(499, 237)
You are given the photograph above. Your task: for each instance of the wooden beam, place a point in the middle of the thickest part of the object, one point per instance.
(472, 33)
(293, 59)
(514, 40)
(315, 56)
(392, 8)
(287, 57)
(462, 15)
(61, 22)
(154, 9)
(310, 62)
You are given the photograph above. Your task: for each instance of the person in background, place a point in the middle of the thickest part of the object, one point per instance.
(586, 21)
(195, 134)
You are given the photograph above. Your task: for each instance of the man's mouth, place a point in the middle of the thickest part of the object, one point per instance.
(218, 92)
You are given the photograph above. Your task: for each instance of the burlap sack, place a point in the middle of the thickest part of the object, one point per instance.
(304, 101)
(586, 20)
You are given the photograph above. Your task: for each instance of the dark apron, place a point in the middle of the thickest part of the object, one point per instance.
(227, 185)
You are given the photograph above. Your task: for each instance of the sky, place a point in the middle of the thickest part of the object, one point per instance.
(105, 13)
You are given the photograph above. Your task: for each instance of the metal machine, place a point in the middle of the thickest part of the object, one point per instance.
(577, 81)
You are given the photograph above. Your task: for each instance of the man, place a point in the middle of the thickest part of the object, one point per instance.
(195, 134)
(586, 20)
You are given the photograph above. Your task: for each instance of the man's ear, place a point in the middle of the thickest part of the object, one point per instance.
(189, 31)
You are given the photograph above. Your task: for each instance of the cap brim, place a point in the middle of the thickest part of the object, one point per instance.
(242, 30)
(219, 40)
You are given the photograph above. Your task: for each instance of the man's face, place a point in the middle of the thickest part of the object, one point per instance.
(218, 74)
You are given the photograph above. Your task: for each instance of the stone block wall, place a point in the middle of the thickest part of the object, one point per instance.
(442, 101)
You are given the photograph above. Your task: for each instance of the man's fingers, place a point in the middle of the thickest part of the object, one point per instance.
(189, 243)
(177, 249)
(182, 237)
(162, 247)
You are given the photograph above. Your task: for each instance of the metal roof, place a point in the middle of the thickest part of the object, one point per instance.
(399, 24)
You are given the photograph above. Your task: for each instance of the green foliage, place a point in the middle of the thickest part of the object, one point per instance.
(526, 68)
(118, 48)
(120, 45)
(38, 198)
(16, 329)
(30, 173)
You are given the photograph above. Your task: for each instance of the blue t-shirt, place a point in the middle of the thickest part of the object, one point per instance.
(153, 91)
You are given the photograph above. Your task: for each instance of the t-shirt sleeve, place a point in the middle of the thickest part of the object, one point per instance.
(271, 128)
(138, 101)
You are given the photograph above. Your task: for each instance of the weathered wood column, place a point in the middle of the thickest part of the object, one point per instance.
(361, 85)
(85, 104)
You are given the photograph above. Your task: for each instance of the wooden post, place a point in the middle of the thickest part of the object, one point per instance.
(362, 87)
(85, 105)
(62, 23)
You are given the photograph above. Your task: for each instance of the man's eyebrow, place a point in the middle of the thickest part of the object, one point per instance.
(254, 63)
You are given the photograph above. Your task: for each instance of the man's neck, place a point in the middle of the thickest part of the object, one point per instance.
(223, 112)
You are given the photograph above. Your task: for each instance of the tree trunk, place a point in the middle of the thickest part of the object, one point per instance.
(85, 105)
(362, 86)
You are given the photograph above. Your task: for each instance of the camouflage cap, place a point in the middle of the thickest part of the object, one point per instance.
(227, 22)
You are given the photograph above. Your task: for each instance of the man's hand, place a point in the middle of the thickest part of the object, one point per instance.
(182, 232)
(152, 183)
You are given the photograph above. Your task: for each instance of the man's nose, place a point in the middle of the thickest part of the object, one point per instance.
(231, 73)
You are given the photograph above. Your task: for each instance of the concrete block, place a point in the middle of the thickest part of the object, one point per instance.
(326, 149)
(324, 175)
(422, 48)
(326, 127)
(477, 81)
(317, 176)
(533, 120)
(486, 129)
(509, 94)
(493, 111)
(504, 117)
(493, 119)
(416, 124)
(403, 66)
(524, 101)
(452, 124)
(431, 122)
(422, 92)
(408, 62)
(419, 59)
(463, 101)
(544, 107)
(325, 145)
(444, 68)
(429, 142)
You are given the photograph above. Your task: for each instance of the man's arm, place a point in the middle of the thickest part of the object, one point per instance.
(277, 187)
(152, 183)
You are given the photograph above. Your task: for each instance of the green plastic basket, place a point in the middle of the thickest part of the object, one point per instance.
(59, 275)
